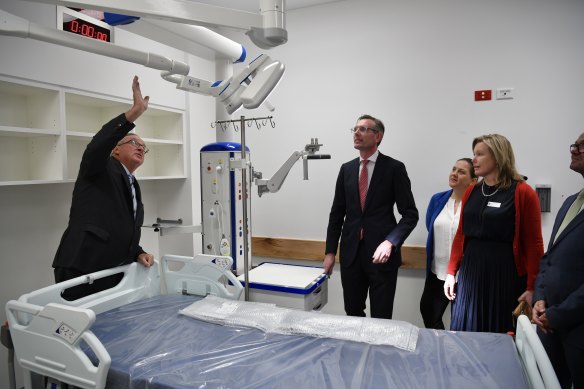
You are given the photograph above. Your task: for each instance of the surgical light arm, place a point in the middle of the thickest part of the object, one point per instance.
(249, 88)
(275, 183)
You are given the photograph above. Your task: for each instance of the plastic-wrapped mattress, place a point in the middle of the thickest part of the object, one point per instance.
(153, 346)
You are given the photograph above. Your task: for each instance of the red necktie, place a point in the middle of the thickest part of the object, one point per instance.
(363, 179)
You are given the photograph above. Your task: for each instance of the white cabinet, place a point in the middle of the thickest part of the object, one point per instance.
(44, 131)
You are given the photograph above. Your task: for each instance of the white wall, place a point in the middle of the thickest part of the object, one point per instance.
(414, 64)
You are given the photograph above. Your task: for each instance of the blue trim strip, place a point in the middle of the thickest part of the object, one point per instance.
(226, 86)
(255, 59)
(243, 55)
(216, 83)
(118, 19)
(287, 289)
(223, 146)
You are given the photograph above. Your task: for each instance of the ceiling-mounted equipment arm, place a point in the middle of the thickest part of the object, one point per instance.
(224, 47)
(250, 87)
(275, 183)
(266, 29)
(13, 25)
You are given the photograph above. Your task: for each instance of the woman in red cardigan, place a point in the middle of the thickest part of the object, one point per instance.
(498, 245)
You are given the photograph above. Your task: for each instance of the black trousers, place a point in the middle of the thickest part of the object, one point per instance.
(566, 353)
(434, 302)
(362, 277)
(76, 292)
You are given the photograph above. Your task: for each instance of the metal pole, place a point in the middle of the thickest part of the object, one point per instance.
(245, 221)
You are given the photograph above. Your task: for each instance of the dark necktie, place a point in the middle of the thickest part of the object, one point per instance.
(134, 201)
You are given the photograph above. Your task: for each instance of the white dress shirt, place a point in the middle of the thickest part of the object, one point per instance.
(445, 227)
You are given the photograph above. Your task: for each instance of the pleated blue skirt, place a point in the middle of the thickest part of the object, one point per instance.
(487, 289)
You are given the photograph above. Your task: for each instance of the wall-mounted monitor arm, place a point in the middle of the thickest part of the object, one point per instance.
(274, 184)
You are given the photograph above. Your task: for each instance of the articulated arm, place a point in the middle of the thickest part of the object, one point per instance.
(266, 29)
(249, 88)
(275, 183)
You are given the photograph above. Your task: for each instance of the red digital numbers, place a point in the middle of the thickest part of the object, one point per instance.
(81, 27)
(74, 26)
(87, 30)
(102, 37)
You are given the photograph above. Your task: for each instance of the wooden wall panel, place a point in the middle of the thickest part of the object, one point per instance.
(413, 257)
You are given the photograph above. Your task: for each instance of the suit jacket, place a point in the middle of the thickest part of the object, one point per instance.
(560, 282)
(389, 186)
(102, 231)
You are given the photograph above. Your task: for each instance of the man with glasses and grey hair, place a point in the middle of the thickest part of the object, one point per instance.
(558, 310)
(106, 210)
(362, 217)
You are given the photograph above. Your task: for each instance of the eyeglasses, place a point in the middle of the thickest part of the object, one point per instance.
(577, 148)
(136, 144)
(362, 130)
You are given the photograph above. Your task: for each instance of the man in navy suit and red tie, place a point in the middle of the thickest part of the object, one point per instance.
(559, 288)
(362, 216)
(106, 210)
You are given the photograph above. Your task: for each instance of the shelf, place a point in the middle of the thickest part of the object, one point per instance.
(151, 141)
(148, 141)
(151, 178)
(160, 125)
(25, 132)
(31, 157)
(44, 131)
(87, 114)
(25, 106)
(31, 182)
(163, 160)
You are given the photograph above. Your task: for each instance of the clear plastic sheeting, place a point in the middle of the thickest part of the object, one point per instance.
(272, 319)
(153, 346)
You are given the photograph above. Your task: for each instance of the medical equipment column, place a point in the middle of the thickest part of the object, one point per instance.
(233, 221)
(245, 219)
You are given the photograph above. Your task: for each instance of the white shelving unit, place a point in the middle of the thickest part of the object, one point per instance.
(44, 131)
(30, 129)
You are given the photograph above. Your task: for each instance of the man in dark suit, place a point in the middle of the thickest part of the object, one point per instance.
(106, 210)
(559, 288)
(362, 216)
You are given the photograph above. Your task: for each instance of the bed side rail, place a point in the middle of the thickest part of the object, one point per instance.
(138, 282)
(534, 358)
(201, 275)
(49, 343)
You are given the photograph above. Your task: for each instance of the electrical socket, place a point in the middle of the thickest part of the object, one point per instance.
(505, 94)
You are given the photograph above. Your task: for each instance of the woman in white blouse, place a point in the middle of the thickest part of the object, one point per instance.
(442, 218)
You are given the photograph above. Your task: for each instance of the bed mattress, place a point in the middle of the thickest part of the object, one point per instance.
(153, 346)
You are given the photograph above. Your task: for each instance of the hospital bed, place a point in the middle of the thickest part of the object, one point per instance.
(133, 336)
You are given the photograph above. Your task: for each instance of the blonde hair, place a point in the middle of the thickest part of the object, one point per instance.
(501, 149)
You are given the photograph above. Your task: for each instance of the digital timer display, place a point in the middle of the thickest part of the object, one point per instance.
(86, 23)
(88, 29)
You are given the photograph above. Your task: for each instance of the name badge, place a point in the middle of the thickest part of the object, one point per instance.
(493, 204)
